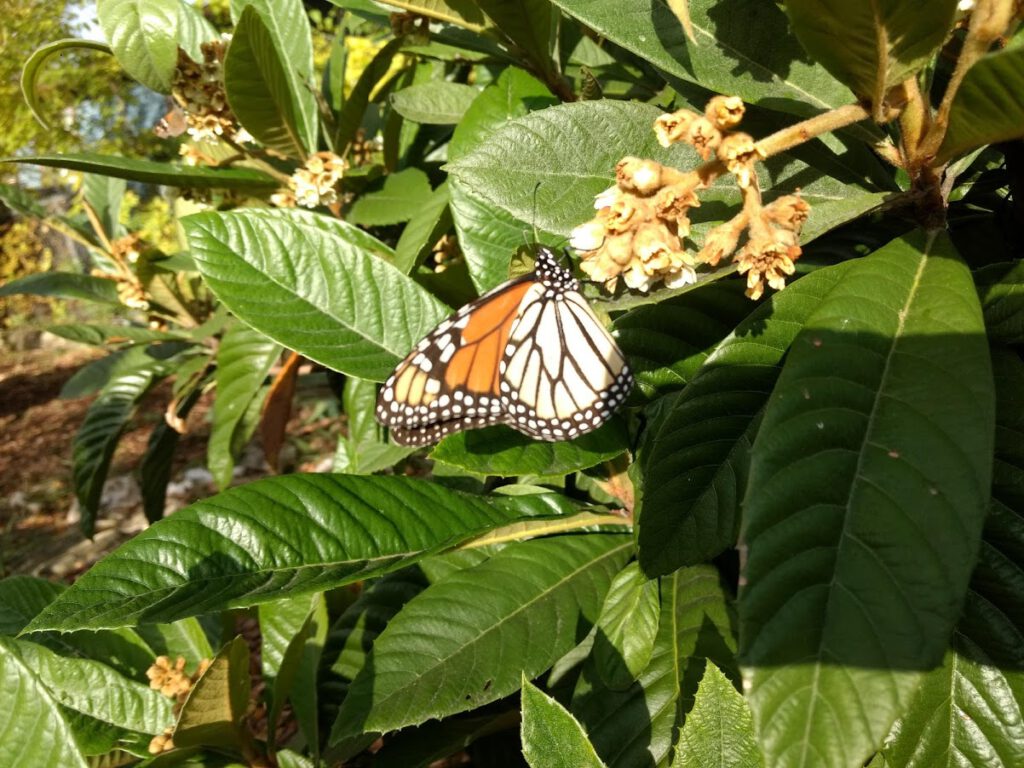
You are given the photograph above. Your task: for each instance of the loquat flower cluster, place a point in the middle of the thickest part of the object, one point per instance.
(314, 184)
(172, 681)
(198, 88)
(642, 223)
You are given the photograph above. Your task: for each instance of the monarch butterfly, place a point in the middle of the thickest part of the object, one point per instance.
(529, 354)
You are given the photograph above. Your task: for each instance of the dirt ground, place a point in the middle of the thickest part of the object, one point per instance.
(39, 532)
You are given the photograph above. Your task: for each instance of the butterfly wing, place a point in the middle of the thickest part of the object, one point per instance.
(563, 375)
(451, 380)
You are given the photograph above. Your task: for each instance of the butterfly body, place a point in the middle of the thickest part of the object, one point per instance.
(529, 354)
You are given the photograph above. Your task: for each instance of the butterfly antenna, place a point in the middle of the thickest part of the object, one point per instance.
(536, 237)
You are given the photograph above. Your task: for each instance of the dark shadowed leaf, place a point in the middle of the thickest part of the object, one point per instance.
(869, 484)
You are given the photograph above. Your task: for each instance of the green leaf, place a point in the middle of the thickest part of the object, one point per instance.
(426, 225)
(304, 691)
(532, 25)
(487, 235)
(213, 713)
(364, 450)
(871, 46)
(692, 460)
(288, 25)
(1001, 287)
(244, 360)
(869, 484)
(666, 343)
(252, 544)
(719, 730)
(524, 606)
(970, 711)
(503, 451)
(63, 285)
(109, 335)
(22, 598)
(351, 117)
(36, 731)
(744, 49)
(260, 91)
(284, 628)
(987, 107)
(97, 692)
(151, 172)
(627, 628)
(636, 726)
(351, 638)
(464, 13)
(34, 65)
(193, 30)
(184, 638)
(434, 103)
(156, 465)
(551, 736)
(315, 285)
(143, 35)
(104, 194)
(404, 193)
(94, 443)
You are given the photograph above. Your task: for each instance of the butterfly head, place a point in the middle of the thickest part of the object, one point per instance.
(553, 274)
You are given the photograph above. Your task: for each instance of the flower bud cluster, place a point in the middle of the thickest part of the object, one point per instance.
(642, 222)
(198, 88)
(172, 681)
(124, 252)
(314, 184)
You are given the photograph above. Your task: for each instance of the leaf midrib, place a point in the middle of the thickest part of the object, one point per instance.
(844, 535)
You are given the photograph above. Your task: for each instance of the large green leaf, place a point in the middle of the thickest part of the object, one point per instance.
(288, 26)
(152, 172)
(435, 103)
(108, 415)
(34, 65)
(143, 35)
(988, 107)
(244, 359)
(871, 46)
(503, 451)
(260, 91)
(97, 692)
(970, 711)
(719, 730)
(488, 236)
(869, 484)
(526, 607)
(693, 457)
(35, 731)
(273, 538)
(635, 727)
(314, 284)
(551, 736)
(64, 285)
(742, 48)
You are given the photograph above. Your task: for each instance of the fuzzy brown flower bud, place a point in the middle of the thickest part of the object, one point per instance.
(725, 112)
(672, 127)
